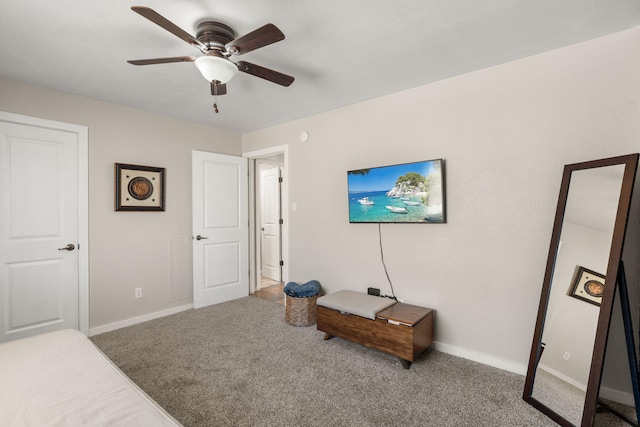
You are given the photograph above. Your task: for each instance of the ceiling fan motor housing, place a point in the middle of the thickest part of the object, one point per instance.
(214, 35)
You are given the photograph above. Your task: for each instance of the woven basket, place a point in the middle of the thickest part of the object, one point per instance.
(300, 311)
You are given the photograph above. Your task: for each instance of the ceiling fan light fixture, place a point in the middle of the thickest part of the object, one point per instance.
(216, 68)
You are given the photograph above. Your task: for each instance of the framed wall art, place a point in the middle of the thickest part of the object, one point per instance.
(587, 286)
(139, 188)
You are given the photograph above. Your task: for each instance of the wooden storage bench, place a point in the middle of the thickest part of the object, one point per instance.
(402, 330)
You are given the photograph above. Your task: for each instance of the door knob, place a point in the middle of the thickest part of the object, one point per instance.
(199, 237)
(69, 247)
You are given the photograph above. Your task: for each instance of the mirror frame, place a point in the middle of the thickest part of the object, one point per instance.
(602, 330)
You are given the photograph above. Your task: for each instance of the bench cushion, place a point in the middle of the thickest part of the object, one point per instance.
(357, 303)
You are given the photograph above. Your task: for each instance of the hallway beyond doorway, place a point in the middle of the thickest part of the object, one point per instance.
(270, 290)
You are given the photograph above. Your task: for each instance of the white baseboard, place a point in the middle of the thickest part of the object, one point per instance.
(607, 393)
(563, 377)
(617, 396)
(134, 320)
(481, 358)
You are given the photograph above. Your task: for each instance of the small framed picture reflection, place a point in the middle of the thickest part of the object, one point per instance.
(587, 286)
(139, 188)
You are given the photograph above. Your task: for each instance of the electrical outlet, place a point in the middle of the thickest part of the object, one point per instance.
(566, 355)
(138, 292)
(373, 291)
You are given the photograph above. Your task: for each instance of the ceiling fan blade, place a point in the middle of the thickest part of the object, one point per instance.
(160, 20)
(222, 89)
(263, 36)
(265, 73)
(162, 60)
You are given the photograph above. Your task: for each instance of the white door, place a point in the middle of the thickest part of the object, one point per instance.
(270, 227)
(220, 228)
(40, 222)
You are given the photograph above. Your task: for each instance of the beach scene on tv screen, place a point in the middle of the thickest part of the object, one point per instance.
(411, 192)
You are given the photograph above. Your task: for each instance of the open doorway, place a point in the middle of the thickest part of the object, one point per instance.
(268, 228)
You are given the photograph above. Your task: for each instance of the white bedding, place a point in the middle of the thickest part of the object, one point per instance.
(62, 379)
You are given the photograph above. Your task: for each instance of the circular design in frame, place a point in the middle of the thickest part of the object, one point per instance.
(594, 288)
(140, 188)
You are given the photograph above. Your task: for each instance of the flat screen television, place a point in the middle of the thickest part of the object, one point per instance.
(403, 193)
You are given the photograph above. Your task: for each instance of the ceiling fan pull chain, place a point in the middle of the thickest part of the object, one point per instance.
(215, 96)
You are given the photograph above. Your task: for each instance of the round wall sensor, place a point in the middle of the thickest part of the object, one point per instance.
(304, 136)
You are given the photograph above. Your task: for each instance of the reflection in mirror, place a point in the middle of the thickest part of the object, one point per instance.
(586, 239)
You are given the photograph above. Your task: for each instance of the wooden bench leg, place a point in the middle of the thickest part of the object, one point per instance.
(405, 363)
(327, 336)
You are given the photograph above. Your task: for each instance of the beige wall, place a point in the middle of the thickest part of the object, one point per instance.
(505, 133)
(151, 250)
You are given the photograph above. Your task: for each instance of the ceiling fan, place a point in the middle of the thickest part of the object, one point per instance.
(217, 42)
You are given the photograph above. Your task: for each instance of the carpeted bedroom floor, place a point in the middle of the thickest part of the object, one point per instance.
(239, 364)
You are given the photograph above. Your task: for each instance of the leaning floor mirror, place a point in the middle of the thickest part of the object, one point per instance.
(581, 284)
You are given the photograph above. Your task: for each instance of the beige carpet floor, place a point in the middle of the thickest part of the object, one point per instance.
(239, 364)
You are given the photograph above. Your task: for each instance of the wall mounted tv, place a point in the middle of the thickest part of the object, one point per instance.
(404, 193)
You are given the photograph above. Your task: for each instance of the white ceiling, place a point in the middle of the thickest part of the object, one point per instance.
(340, 52)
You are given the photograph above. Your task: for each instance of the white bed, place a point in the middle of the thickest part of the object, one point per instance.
(62, 379)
